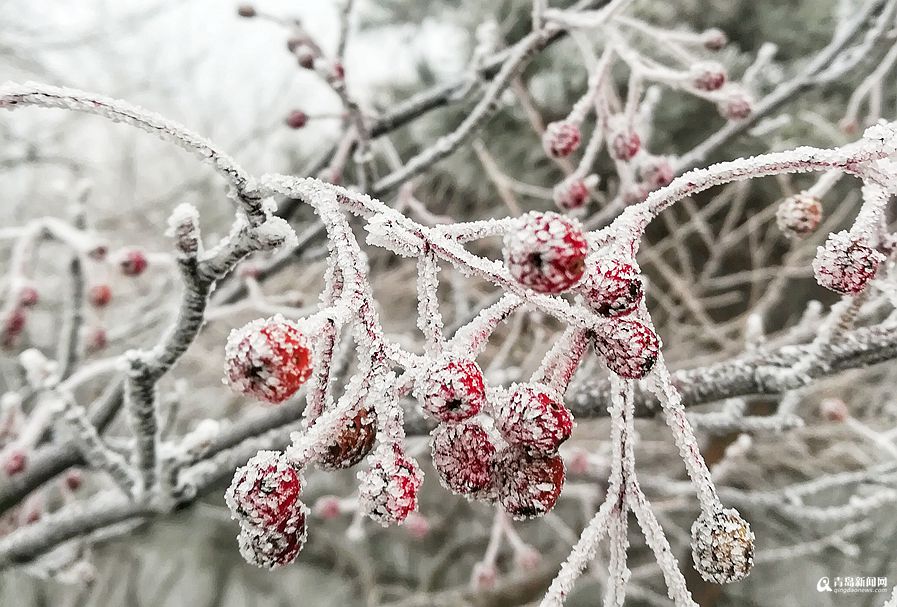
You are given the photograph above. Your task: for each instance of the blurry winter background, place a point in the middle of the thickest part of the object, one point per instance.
(233, 80)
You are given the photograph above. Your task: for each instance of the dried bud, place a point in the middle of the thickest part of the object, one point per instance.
(246, 10)
(714, 39)
(352, 439)
(722, 546)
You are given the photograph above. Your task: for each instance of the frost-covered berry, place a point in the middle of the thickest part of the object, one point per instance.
(572, 193)
(99, 296)
(844, 264)
(736, 105)
(834, 410)
(528, 485)
(561, 139)
(28, 296)
(246, 10)
(546, 252)
(73, 479)
(625, 144)
(714, 39)
(534, 418)
(265, 491)
(328, 507)
(722, 546)
(97, 339)
(272, 547)
(352, 439)
(799, 215)
(629, 348)
(707, 76)
(133, 263)
(452, 389)
(296, 119)
(267, 359)
(387, 492)
(13, 325)
(656, 172)
(417, 525)
(463, 455)
(613, 287)
(14, 462)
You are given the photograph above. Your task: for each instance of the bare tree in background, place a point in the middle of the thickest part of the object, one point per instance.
(583, 261)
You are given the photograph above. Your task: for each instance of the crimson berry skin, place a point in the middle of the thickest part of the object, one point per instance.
(613, 288)
(351, 442)
(297, 119)
(845, 265)
(387, 492)
(273, 547)
(29, 297)
(267, 359)
(463, 455)
(100, 296)
(534, 418)
(572, 193)
(625, 145)
(561, 139)
(264, 492)
(453, 389)
(528, 485)
(629, 348)
(546, 252)
(134, 263)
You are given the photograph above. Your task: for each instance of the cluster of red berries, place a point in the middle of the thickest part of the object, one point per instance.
(267, 359)
(546, 252)
(264, 498)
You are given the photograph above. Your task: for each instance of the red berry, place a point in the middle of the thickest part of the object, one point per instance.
(13, 326)
(297, 119)
(452, 389)
(463, 456)
(352, 440)
(799, 215)
(708, 76)
(73, 479)
(546, 252)
(272, 547)
(571, 193)
(328, 507)
(737, 105)
(15, 462)
(625, 144)
(134, 263)
(100, 296)
(267, 359)
(844, 264)
(656, 172)
(561, 139)
(534, 418)
(28, 297)
(613, 287)
(629, 348)
(265, 491)
(714, 39)
(97, 340)
(246, 10)
(417, 525)
(388, 490)
(528, 485)
(834, 410)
